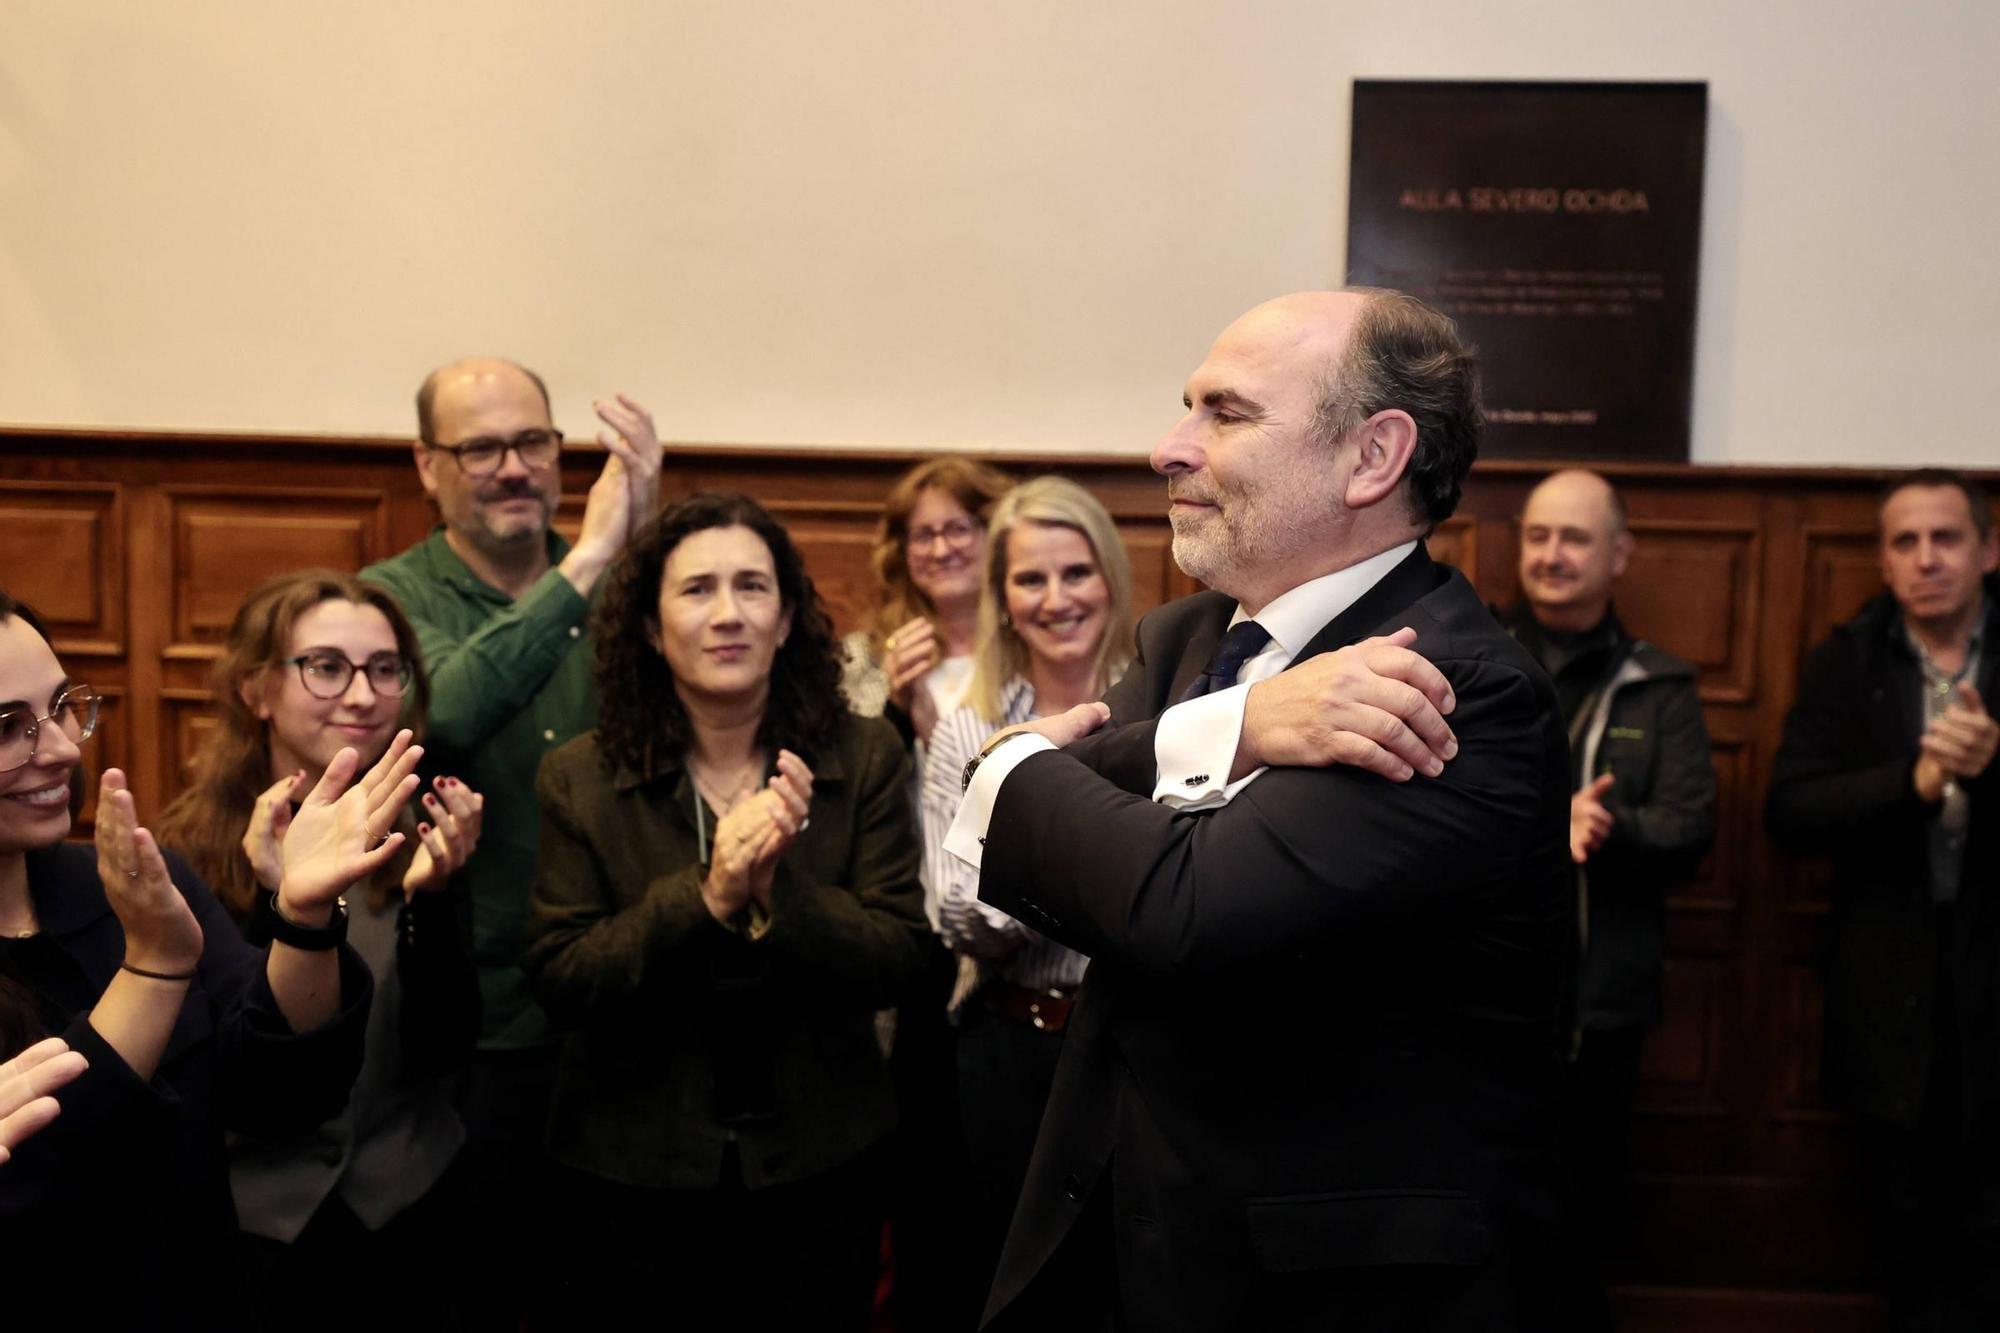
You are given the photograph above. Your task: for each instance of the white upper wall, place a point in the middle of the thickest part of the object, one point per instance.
(920, 224)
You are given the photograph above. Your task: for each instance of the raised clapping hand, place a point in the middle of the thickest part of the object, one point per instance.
(633, 441)
(27, 1084)
(751, 837)
(264, 836)
(447, 838)
(1374, 705)
(161, 934)
(1589, 819)
(342, 833)
(1959, 743)
(912, 652)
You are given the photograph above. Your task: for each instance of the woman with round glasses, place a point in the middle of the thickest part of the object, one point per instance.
(314, 662)
(1055, 629)
(911, 661)
(122, 1200)
(726, 892)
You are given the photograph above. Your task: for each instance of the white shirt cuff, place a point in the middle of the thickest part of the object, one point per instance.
(967, 837)
(1194, 746)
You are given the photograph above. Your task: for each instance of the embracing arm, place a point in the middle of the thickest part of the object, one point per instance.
(1298, 853)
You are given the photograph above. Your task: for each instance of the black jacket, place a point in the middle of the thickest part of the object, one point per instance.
(1638, 718)
(1841, 788)
(1315, 1053)
(121, 1207)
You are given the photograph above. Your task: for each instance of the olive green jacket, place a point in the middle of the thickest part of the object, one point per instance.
(684, 1034)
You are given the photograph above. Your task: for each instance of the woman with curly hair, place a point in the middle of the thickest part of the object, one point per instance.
(726, 892)
(315, 661)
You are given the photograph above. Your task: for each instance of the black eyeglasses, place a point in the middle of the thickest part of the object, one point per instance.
(483, 455)
(327, 675)
(75, 711)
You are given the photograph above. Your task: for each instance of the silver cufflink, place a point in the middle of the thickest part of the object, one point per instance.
(1197, 779)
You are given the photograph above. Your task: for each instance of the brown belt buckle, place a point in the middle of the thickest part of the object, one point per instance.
(1057, 1004)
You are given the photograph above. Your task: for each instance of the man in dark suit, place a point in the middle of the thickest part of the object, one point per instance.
(1309, 1080)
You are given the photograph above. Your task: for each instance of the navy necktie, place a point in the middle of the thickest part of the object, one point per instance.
(1242, 643)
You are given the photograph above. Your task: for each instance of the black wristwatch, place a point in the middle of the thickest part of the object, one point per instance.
(313, 939)
(972, 764)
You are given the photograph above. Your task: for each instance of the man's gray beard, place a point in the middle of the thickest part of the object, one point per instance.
(1204, 558)
(510, 546)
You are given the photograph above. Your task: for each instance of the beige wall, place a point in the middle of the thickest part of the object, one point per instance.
(911, 224)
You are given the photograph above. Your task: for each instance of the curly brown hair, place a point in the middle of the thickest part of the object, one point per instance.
(641, 719)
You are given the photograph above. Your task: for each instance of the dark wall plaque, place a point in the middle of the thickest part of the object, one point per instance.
(1560, 224)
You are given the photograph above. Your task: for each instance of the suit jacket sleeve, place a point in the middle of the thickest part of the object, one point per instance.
(1298, 853)
(1827, 792)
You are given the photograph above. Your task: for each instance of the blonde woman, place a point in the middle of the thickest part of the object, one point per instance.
(1055, 629)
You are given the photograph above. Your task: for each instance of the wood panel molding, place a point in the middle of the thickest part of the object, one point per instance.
(140, 544)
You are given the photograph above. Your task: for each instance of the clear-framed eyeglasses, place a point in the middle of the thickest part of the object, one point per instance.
(957, 534)
(326, 675)
(75, 711)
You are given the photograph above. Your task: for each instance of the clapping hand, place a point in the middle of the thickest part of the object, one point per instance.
(161, 934)
(26, 1084)
(753, 835)
(343, 833)
(1589, 819)
(910, 653)
(633, 441)
(263, 839)
(1961, 740)
(447, 839)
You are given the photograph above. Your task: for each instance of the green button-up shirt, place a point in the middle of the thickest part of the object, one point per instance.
(510, 681)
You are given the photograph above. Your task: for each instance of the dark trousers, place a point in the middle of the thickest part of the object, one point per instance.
(1935, 1191)
(1594, 1123)
(801, 1255)
(934, 1288)
(1005, 1070)
(503, 1098)
(338, 1276)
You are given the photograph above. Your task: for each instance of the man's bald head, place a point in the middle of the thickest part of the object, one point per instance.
(467, 372)
(1573, 548)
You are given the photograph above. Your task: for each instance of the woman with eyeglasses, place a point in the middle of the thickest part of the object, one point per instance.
(911, 661)
(314, 662)
(726, 892)
(120, 1202)
(1055, 630)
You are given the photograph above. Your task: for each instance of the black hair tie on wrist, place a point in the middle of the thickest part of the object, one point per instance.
(156, 976)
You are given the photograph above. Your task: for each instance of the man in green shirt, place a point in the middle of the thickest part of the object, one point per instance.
(501, 605)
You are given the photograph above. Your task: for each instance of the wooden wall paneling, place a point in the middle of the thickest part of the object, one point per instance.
(62, 547)
(1744, 1214)
(227, 541)
(1691, 587)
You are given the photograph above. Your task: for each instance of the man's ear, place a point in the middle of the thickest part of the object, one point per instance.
(1989, 557)
(1621, 554)
(427, 462)
(1383, 445)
